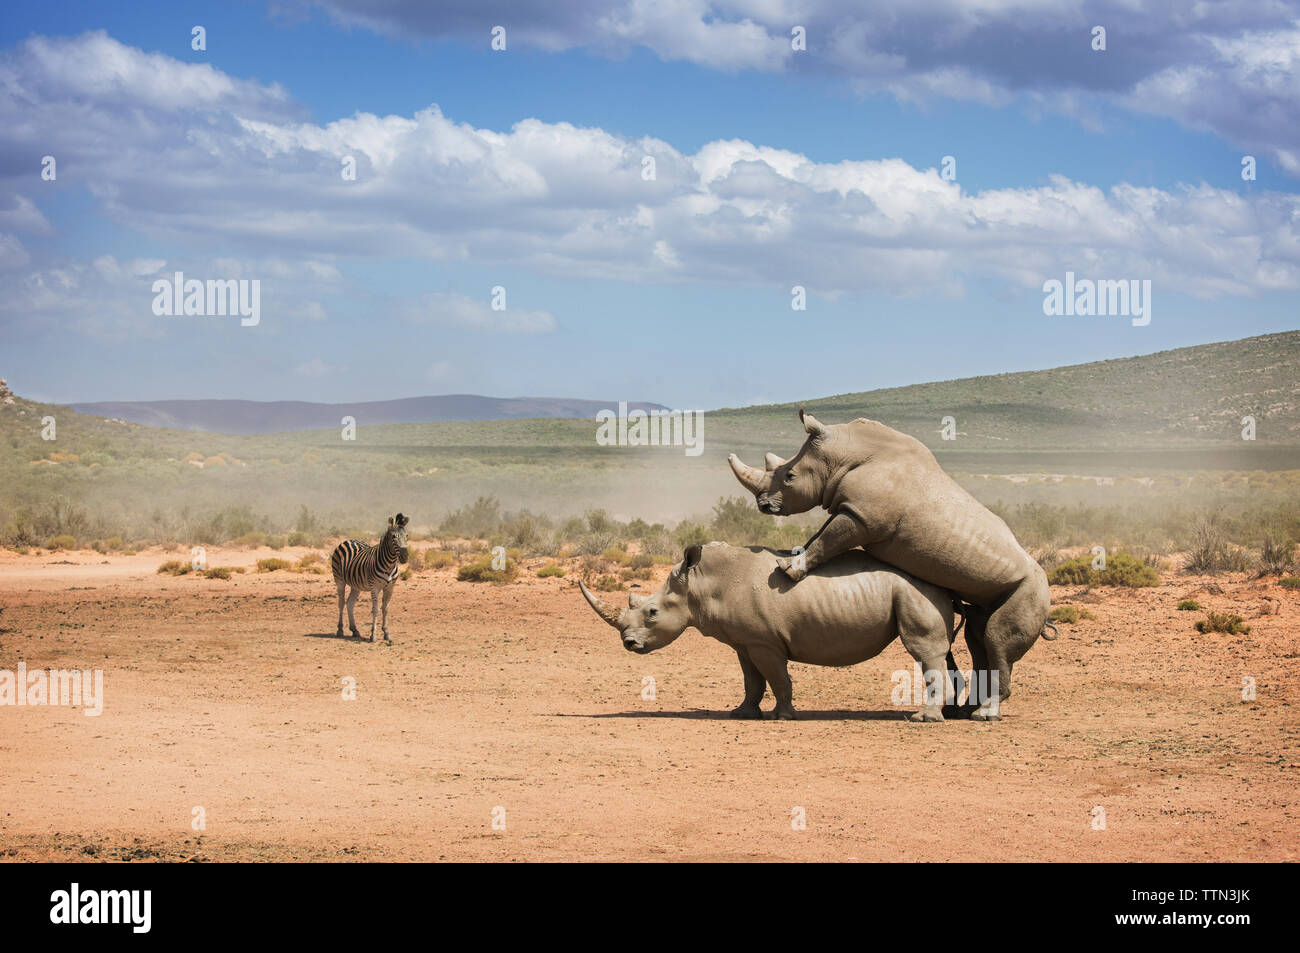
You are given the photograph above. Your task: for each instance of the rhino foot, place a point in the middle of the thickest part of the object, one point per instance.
(784, 713)
(985, 714)
(932, 713)
(747, 712)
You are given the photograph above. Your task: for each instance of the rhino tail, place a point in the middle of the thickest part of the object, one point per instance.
(1055, 632)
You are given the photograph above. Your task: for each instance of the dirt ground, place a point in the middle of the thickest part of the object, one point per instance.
(516, 704)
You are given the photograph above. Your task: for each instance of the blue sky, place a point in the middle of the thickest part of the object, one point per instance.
(521, 169)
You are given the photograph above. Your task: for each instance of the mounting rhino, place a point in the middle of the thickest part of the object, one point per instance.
(887, 494)
(846, 611)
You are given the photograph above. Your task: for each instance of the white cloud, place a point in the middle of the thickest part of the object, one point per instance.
(244, 171)
(1225, 66)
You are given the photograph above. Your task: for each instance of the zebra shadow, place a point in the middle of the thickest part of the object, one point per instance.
(701, 714)
(345, 637)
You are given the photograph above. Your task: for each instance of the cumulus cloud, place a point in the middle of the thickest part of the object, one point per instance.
(246, 171)
(1226, 66)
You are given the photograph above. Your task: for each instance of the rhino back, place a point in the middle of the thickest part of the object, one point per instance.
(841, 613)
(931, 527)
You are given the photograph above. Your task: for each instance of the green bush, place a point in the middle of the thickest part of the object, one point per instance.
(1188, 605)
(608, 584)
(273, 564)
(1228, 622)
(174, 567)
(1069, 614)
(1290, 582)
(63, 541)
(552, 570)
(1121, 570)
(482, 571)
(219, 572)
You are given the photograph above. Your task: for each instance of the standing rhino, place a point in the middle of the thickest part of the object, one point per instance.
(845, 612)
(887, 494)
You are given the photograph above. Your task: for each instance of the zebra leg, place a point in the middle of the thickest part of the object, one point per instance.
(352, 605)
(374, 611)
(342, 585)
(388, 594)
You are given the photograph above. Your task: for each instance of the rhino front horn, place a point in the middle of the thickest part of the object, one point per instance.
(811, 424)
(750, 478)
(605, 612)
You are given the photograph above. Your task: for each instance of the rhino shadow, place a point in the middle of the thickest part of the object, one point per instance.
(700, 714)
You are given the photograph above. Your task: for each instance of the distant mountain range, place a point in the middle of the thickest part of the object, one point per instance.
(278, 416)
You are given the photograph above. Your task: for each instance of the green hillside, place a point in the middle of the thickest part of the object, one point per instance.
(1144, 423)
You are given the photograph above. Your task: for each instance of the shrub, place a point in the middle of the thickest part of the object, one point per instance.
(1069, 614)
(272, 564)
(437, 559)
(552, 570)
(219, 572)
(62, 541)
(1121, 570)
(482, 571)
(310, 559)
(252, 538)
(642, 561)
(1188, 605)
(477, 520)
(1290, 582)
(174, 567)
(628, 574)
(1277, 555)
(608, 584)
(616, 555)
(405, 574)
(1228, 622)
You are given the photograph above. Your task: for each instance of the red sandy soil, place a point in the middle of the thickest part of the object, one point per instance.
(229, 696)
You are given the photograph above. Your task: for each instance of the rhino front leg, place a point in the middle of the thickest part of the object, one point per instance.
(755, 685)
(838, 535)
(773, 667)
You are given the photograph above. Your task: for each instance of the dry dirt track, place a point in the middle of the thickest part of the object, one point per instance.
(228, 696)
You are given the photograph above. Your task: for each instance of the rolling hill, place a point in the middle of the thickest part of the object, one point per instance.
(281, 416)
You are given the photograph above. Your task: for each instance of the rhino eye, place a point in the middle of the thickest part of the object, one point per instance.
(651, 612)
(789, 477)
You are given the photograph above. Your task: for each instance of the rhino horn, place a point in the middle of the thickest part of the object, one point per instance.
(772, 461)
(605, 612)
(811, 424)
(635, 599)
(752, 479)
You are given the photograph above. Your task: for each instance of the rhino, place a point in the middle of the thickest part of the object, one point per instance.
(846, 611)
(887, 494)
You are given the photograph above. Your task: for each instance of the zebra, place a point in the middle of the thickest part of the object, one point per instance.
(362, 566)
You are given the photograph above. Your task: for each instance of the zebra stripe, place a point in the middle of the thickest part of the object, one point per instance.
(363, 566)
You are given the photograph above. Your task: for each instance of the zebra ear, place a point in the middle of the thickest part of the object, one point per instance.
(391, 522)
(402, 520)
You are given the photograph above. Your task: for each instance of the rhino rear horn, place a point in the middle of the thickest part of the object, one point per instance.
(607, 613)
(772, 461)
(635, 599)
(752, 479)
(811, 424)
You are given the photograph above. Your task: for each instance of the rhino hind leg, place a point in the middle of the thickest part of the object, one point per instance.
(755, 686)
(1012, 629)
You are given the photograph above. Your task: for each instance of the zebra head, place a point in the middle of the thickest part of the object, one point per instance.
(397, 532)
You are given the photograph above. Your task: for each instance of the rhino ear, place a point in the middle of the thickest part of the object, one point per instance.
(811, 424)
(691, 558)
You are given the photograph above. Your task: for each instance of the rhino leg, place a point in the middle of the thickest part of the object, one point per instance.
(1013, 627)
(838, 535)
(755, 685)
(773, 667)
(927, 636)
